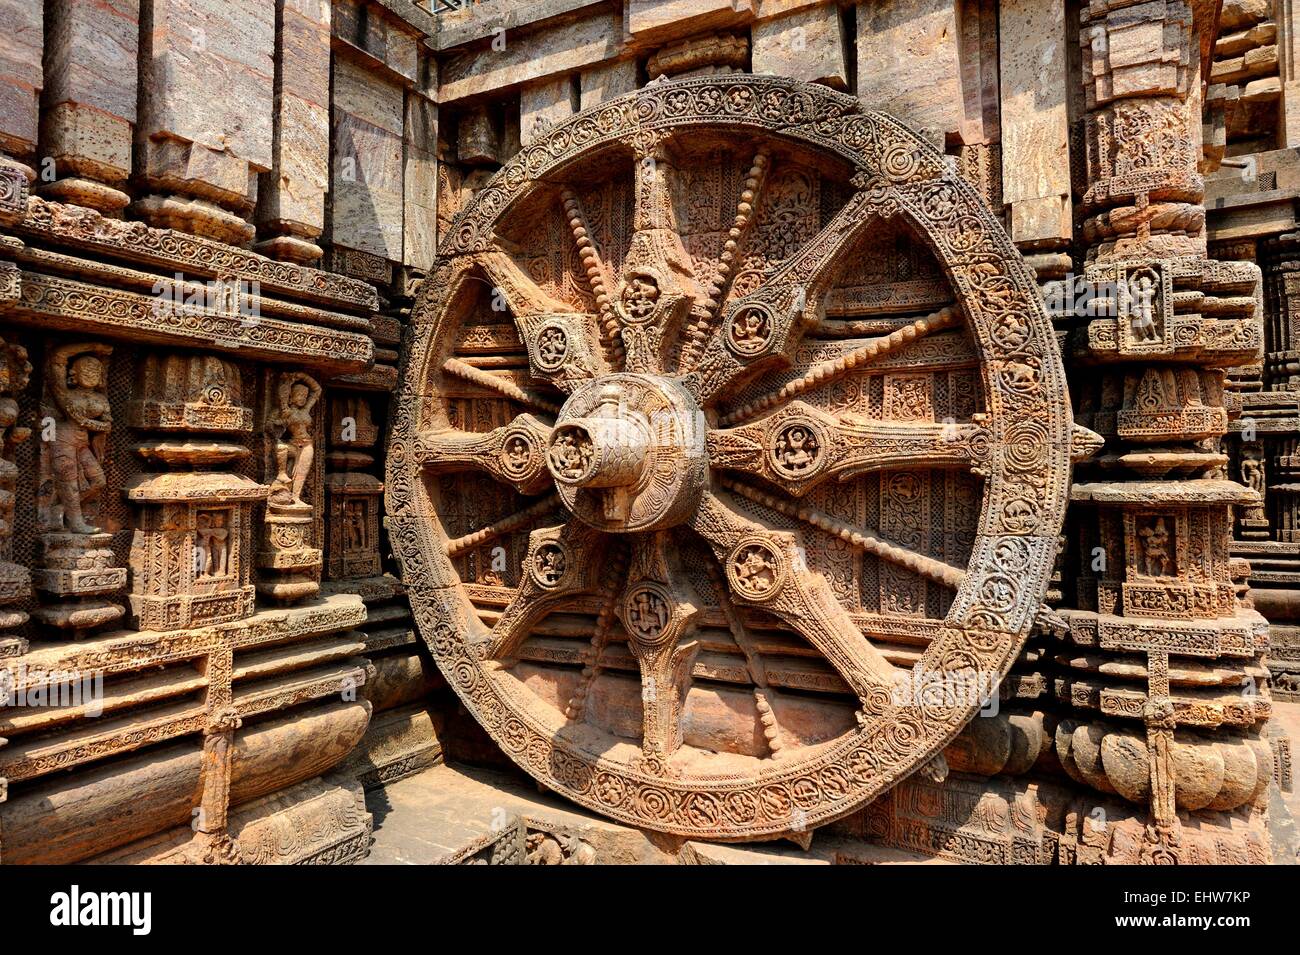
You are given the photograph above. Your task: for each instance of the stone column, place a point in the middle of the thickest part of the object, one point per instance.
(1158, 596)
(291, 197)
(20, 78)
(199, 149)
(606, 81)
(90, 101)
(377, 60)
(1033, 82)
(808, 44)
(545, 104)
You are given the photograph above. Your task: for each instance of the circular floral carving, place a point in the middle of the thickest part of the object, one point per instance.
(653, 803)
(610, 789)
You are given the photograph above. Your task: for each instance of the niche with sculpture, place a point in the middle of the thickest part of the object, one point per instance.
(289, 553)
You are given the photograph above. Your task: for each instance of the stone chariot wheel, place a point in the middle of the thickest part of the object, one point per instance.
(730, 458)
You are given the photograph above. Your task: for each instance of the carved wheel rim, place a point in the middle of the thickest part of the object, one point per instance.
(750, 511)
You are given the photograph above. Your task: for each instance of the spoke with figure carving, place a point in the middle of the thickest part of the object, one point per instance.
(561, 343)
(506, 525)
(758, 331)
(801, 446)
(862, 538)
(765, 568)
(514, 454)
(658, 612)
(562, 562)
(697, 335)
(658, 294)
(828, 371)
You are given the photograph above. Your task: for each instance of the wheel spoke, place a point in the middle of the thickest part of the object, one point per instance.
(658, 292)
(562, 562)
(514, 454)
(828, 371)
(862, 538)
(765, 568)
(800, 446)
(658, 612)
(761, 329)
(559, 340)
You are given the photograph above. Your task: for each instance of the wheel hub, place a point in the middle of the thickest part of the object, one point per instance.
(628, 453)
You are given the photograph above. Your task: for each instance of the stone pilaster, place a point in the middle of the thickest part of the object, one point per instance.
(199, 150)
(1161, 646)
(291, 196)
(89, 102)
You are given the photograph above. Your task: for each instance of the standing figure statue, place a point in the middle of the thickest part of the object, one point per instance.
(295, 447)
(15, 372)
(76, 385)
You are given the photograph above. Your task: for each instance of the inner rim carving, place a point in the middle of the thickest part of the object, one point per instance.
(810, 414)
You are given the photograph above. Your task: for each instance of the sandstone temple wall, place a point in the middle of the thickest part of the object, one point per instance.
(219, 225)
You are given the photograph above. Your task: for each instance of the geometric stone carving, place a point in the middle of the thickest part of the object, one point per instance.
(701, 622)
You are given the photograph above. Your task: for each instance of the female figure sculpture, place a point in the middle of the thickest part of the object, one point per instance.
(79, 410)
(295, 447)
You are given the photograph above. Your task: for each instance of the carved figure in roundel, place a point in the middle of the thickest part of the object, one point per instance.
(747, 458)
(647, 612)
(755, 570)
(517, 453)
(640, 295)
(552, 347)
(750, 330)
(572, 453)
(796, 450)
(549, 564)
